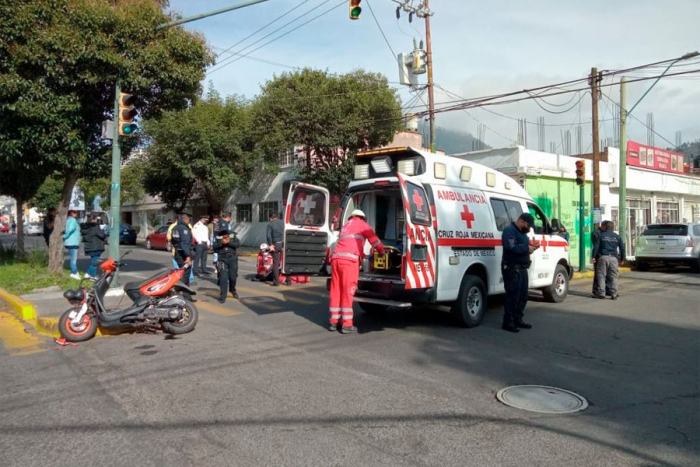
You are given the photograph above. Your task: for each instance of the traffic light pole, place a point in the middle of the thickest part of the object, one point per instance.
(115, 192)
(581, 228)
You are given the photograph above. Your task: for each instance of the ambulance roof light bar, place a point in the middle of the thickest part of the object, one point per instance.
(361, 171)
(381, 165)
(407, 167)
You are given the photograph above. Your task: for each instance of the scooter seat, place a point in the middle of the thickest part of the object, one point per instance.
(135, 285)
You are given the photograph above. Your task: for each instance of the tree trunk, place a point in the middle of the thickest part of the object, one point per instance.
(19, 199)
(56, 255)
(214, 203)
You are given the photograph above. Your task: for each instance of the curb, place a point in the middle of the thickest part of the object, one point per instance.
(25, 311)
(591, 274)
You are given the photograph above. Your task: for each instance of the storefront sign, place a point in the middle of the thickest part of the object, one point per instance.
(649, 157)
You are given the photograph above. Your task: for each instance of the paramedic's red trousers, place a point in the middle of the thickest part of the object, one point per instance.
(344, 274)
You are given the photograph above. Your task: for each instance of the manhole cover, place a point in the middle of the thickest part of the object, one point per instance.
(542, 399)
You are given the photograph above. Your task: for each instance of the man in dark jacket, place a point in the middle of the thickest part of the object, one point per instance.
(609, 250)
(48, 224)
(226, 245)
(275, 237)
(514, 265)
(182, 243)
(94, 244)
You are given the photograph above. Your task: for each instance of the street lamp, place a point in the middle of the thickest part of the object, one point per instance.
(622, 190)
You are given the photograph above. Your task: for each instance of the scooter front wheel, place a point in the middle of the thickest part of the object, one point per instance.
(83, 331)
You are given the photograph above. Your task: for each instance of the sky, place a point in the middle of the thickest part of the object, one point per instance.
(480, 48)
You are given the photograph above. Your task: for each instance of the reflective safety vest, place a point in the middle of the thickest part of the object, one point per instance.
(352, 240)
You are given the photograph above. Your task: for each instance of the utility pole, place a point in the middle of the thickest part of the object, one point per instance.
(429, 60)
(594, 80)
(622, 182)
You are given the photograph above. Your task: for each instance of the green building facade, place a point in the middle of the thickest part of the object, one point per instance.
(559, 199)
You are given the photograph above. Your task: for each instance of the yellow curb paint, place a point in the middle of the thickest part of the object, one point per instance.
(15, 337)
(24, 309)
(217, 309)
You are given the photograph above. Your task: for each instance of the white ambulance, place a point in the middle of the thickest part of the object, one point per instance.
(441, 219)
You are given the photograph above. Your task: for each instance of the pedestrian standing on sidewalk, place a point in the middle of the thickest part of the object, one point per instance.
(201, 240)
(514, 265)
(226, 245)
(48, 224)
(212, 226)
(610, 251)
(71, 240)
(345, 269)
(94, 244)
(275, 238)
(594, 238)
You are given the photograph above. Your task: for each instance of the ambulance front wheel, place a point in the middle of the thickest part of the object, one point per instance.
(556, 293)
(470, 306)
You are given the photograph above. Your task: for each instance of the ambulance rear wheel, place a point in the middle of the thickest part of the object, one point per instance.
(556, 293)
(470, 306)
(372, 308)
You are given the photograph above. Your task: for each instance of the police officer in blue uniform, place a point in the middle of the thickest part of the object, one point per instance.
(182, 243)
(514, 265)
(226, 246)
(608, 251)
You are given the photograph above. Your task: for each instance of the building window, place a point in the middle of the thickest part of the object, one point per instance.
(287, 158)
(666, 212)
(266, 209)
(244, 213)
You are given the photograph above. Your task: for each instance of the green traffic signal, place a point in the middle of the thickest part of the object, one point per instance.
(129, 129)
(355, 12)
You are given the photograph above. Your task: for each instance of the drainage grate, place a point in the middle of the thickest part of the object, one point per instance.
(542, 399)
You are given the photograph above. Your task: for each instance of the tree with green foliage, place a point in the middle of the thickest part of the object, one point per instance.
(202, 152)
(329, 117)
(59, 62)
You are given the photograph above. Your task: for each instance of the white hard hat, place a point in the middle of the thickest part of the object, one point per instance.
(264, 246)
(358, 213)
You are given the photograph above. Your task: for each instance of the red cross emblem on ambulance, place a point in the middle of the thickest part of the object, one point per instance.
(467, 216)
(417, 200)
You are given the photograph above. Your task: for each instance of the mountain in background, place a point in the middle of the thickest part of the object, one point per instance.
(691, 150)
(451, 141)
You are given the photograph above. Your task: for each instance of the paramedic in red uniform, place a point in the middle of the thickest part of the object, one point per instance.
(345, 269)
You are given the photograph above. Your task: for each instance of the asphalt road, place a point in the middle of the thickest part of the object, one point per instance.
(261, 382)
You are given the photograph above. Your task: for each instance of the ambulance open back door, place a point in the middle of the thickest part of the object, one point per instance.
(419, 265)
(306, 229)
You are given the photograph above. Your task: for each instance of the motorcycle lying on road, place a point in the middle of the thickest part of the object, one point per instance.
(157, 304)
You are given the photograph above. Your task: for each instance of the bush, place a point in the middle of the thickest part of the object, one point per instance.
(8, 254)
(21, 275)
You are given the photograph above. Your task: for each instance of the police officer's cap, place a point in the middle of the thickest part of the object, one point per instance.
(224, 233)
(185, 213)
(358, 213)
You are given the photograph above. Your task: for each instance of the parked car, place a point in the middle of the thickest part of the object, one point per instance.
(670, 244)
(127, 234)
(33, 228)
(4, 228)
(157, 240)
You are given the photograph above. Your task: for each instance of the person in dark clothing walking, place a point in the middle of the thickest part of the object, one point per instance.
(609, 250)
(226, 245)
(275, 238)
(94, 244)
(48, 224)
(594, 238)
(182, 244)
(515, 263)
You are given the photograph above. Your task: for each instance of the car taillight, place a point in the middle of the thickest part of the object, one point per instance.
(690, 242)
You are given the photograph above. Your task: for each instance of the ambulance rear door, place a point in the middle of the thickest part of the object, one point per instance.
(306, 229)
(418, 268)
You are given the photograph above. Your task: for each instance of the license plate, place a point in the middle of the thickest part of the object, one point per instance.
(661, 242)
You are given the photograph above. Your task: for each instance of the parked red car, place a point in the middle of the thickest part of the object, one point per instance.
(4, 228)
(157, 240)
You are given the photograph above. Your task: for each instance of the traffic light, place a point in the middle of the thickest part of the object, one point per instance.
(355, 9)
(127, 113)
(580, 173)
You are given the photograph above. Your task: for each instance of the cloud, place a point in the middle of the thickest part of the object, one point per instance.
(482, 48)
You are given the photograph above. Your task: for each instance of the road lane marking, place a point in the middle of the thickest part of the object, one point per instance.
(15, 338)
(217, 309)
